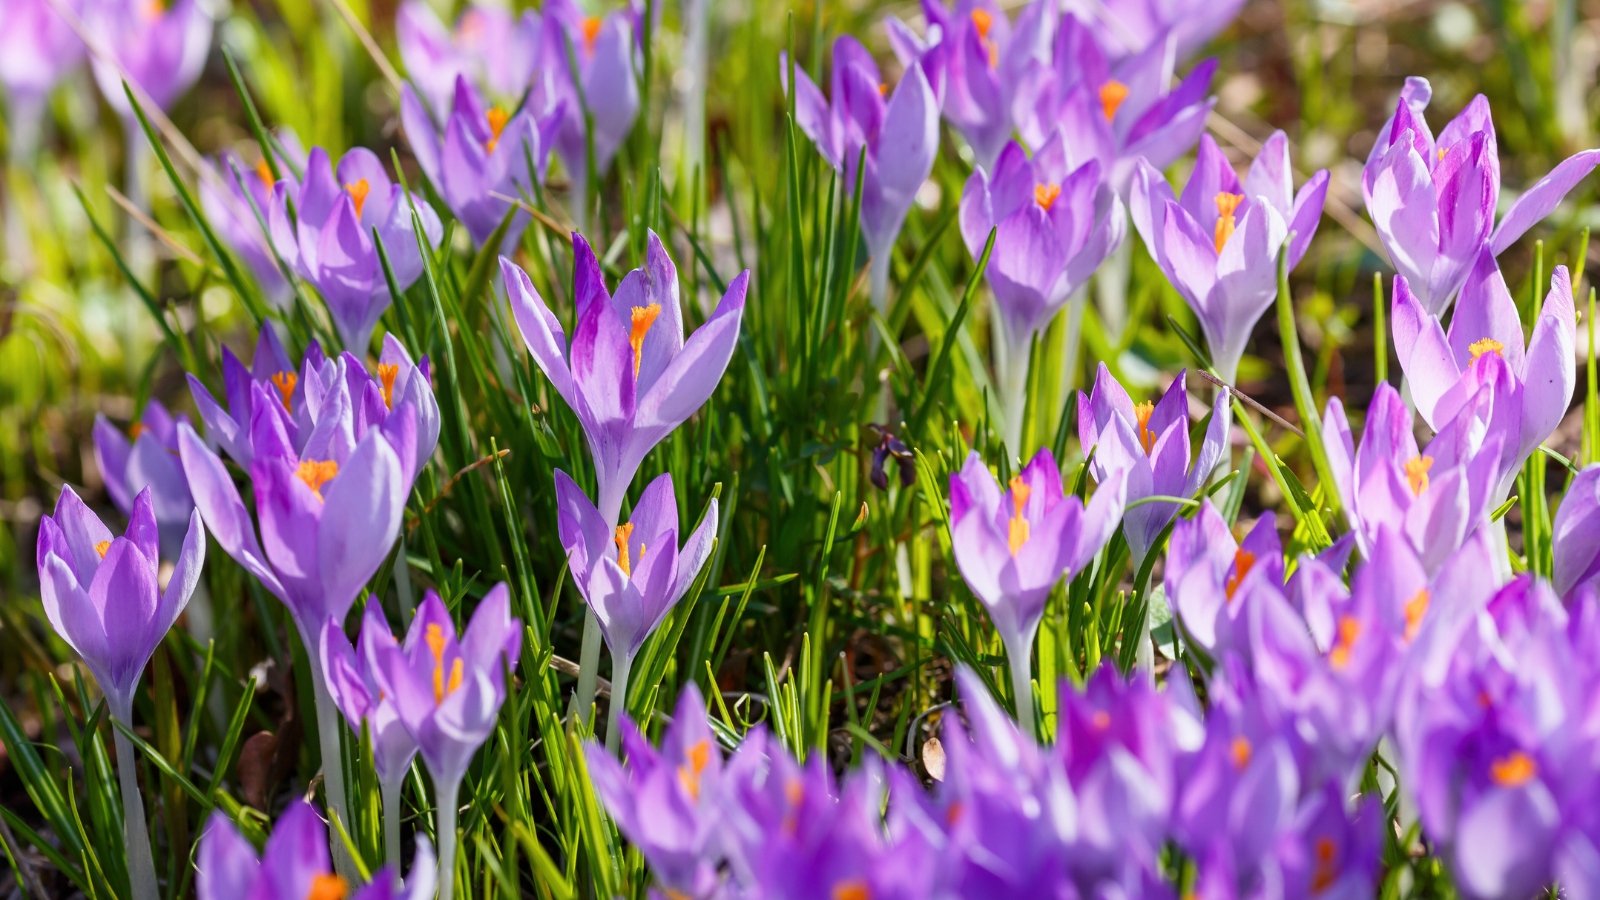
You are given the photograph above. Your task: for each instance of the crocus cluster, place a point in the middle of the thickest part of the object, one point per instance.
(237, 199)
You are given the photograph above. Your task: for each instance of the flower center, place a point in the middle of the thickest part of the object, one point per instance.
(982, 21)
(134, 430)
(358, 192)
(102, 547)
(1045, 195)
(327, 887)
(1513, 770)
(883, 89)
(1349, 630)
(316, 473)
(442, 687)
(1417, 468)
(1416, 608)
(643, 318)
(1147, 438)
(852, 890)
(689, 775)
(285, 382)
(591, 33)
(1227, 205)
(264, 173)
(1240, 751)
(1112, 93)
(1017, 533)
(387, 373)
(1485, 345)
(624, 532)
(1243, 561)
(1324, 873)
(497, 124)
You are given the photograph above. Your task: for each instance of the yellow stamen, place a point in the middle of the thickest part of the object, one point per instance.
(358, 191)
(442, 688)
(621, 540)
(591, 32)
(643, 318)
(1018, 532)
(1349, 630)
(1485, 345)
(264, 173)
(134, 430)
(689, 775)
(497, 123)
(1147, 438)
(1112, 94)
(1417, 468)
(285, 382)
(1243, 561)
(1416, 608)
(1513, 770)
(328, 887)
(851, 890)
(1240, 751)
(983, 20)
(316, 473)
(102, 547)
(1324, 874)
(1227, 205)
(1045, 195)
(387, 373)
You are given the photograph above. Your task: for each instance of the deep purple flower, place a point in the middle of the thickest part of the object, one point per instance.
(899, 130)
(1150, 442)
(1056, 220)
(483, 155)
(146, 457)
(1211, 579)
(294, 865)
(602, 49)
(237, 198)
(37, 48)
(100, 590)
(974, 56)
(328, 238)
(158, 45)
(494, 50)
(228, 428)
(629, 375)
(1532, 384)
(1219, 242)
(1576, 536)
(1324, 846)
(1433, 201)
(1130, 26)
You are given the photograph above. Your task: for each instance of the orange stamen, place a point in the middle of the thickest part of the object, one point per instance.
(316, 473)
(983, 20)
(1243, 561)
(358, 192)
(591, 33)
(134, 430)
(155, 9)
(621, 540)
(1416, 608)
(328, 887)
(1147, 438)
(1417, 469)
(1240, 751)
(102, 547)
(1513, 770)
(1018, 532)
(1349, 630)
(1324, 874)
(852, 890)
(264, 173)
(1227, 205)
(883, 89)
(1045, 195)
(1112, 94)
(643, 318)
(689, 775)
(285, 382)
(497, 124)
(442, 687)
(387, 373)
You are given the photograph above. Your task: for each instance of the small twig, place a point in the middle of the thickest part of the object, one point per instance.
(150, 225)
(445, 491)
(373, 50)
(25, 870)
(550, 223)
(1282, 422)
(571, 669)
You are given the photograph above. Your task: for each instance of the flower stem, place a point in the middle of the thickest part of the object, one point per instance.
(1011, 375)
(445, 832)
(611, 496)
(390, 790)
(878, 279)
(621, 665)
(135, 834)
(1020, 660)
(139, 251)
(27, 121)
(328, 728)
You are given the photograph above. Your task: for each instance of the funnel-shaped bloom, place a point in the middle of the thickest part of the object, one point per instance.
(355, 681)
(1219, 242)
(146, 457)
(899, 130)
(602, 49)
(974, 57)
(629, 375)
(1433, 200)
(158, 45)
(1115, 112)
(1576, 536)
(1150, 442)
(1130, 26)
(483, 155)
(328, 237)
(494, 50)
(295, 864)
(100, 590)
(1056, 220)
(631, 575)
(329, 511)
(1484, 345)
(447, 690)
(37, 48)
(228, 428)
(382, 396)
(1014, 547)
(236, 199)
(667, 802)
(1211, 579)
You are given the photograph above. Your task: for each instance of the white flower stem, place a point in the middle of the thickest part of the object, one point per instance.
(1020, 661)
(27, 127)
(138, 249)
(390, 790)
(621, 666)
(444, 818)
(589, 656)
(135, 834)
(878, 279)
(329, 727)
(1011, 381)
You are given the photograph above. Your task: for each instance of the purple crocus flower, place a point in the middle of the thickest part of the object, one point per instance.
(1219, 242)
(39, 48)
(146, 457)
(1433, 201)
(236, 200)
(1056, 219)
(1013, 548)
(899, 131)
(602, 49)
(158, 45)
(1133, 25)
(100, 591)
(667, 802)
(1211, 579)
(1150, 442)
(1115, 112)
(483, 155)
(294, 865)
(1318, 847)
(328, 238)
(494, 50)
(228, 428)
(629, 375)
(1533, 383)
(1576, 535)
(974, 56)
(396, 388)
